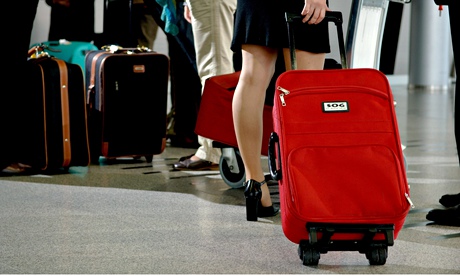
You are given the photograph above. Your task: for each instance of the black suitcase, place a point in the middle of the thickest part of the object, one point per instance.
(127, 99)
(55, 104)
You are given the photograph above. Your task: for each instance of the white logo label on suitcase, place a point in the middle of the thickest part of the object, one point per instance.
(335, 106)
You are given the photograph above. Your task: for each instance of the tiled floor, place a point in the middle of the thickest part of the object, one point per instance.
(133, 217)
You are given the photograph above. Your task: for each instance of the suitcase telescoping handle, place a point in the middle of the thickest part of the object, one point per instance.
(331, 16)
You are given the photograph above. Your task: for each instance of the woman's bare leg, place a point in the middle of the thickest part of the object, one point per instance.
(305, 60)
(248, 102)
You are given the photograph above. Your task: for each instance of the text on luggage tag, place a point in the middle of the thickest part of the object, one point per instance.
(335, 106)
(139, 68)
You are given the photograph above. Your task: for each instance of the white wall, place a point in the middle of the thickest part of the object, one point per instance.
(41, 26)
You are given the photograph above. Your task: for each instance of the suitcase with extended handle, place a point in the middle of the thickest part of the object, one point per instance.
(337, 155)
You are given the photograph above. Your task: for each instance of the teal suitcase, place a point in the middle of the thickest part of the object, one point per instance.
(69, 51)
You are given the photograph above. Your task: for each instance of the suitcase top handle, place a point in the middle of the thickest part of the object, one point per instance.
(37, 51)
(119, 49)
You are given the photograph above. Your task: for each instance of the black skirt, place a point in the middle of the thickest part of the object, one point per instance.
(262, 22)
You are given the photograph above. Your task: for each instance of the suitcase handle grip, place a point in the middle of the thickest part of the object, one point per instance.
(116, 49)
(276, 174)
(331, 16)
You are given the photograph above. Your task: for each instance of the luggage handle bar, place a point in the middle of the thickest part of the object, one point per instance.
(401, 1)
(331, 16)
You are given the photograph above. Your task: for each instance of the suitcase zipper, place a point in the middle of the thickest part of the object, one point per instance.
(409, 200)
(282, 94)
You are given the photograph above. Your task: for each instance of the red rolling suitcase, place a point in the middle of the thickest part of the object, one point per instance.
(215, 120)
(127, 100)
(337, 155)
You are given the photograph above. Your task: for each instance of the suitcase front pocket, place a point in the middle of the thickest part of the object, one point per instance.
(345, 183)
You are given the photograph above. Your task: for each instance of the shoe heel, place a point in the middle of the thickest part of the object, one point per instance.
(253, 195)
(252, 203)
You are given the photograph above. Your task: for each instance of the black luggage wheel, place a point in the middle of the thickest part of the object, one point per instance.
(376, 251)
(231, 165)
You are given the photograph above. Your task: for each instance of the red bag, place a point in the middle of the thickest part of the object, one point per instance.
(215, 120)
(337, 154)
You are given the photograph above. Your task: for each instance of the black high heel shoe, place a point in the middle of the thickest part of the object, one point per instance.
(254, 208)
(270, 211)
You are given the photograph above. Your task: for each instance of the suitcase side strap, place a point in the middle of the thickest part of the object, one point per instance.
(43, 97)
(63, 75)
(90, 100)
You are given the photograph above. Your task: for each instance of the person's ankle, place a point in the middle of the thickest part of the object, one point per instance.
(195, 158)
(266, 200)
(266, 203)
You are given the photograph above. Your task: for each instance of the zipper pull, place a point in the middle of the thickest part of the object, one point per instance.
(283, 103)
(410, 201)
(283, 93)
